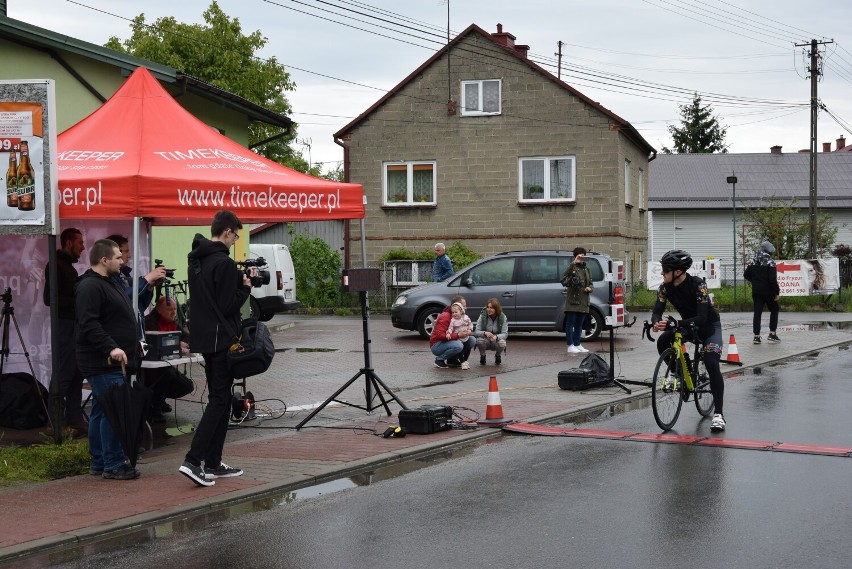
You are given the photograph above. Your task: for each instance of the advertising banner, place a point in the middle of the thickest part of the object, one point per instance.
(808, 277)
(27, 139)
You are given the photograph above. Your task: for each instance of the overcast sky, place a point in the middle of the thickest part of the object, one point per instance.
(639, 58)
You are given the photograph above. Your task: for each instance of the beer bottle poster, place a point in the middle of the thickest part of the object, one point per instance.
(22, 159)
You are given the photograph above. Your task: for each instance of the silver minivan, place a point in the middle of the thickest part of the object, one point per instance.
(527, 285)
(279, 295)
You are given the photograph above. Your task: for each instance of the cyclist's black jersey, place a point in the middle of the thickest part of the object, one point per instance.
(691, 299)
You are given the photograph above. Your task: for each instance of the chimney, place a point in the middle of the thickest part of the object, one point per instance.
(841, 143)
(775, 149)
(826, 147)
(508, 40)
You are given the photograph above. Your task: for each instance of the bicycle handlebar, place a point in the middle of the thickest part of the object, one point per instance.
(671, 324)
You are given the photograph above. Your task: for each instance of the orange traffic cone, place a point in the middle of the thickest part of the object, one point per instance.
(733, 353)
(494, 410)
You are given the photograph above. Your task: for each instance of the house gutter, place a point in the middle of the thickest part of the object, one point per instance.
(347, 228)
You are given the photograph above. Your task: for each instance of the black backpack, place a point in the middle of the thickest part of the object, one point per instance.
(23, 401)
(597, 365)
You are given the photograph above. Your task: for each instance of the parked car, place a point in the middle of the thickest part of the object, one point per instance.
(280, 294)
(527, 285)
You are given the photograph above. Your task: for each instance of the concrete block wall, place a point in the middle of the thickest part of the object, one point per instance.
(477, 163)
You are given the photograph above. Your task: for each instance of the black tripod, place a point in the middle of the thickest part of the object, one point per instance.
(9, 316)
(371, 379)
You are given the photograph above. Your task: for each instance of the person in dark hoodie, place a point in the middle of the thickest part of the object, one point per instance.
(763, 276)
(218, 291)
(106, 340)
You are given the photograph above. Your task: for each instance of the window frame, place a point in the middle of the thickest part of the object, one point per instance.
(465, 112)
(410, 167)
(641, 189)
(628, 200)
(571, 198)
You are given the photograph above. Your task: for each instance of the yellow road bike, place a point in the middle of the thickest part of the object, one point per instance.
(677, 376)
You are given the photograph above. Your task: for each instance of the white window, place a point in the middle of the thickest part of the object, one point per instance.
(641, 189)
(627, 199)
(547, 179)
(409, 183)
(480, 97)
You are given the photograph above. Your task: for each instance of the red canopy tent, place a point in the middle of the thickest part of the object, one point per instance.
(143, 155)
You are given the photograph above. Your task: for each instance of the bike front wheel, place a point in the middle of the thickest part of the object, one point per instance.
(666, 399)
(704, 401)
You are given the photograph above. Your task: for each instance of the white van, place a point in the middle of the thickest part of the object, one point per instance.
(280, 294)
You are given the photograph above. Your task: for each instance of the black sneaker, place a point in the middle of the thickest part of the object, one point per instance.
(773, 337)
(454, 362)
(498, 360)
(196, 474)
(440, 363)
(482, 360)
(757, 339)
(123, 472)
(222, 471)
(96, 471)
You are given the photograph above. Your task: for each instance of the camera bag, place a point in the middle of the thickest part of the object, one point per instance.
(253, 353)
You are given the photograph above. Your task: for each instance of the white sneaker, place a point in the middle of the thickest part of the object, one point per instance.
(573, 350)
(465, 365)
(580, 349)
(718, 423)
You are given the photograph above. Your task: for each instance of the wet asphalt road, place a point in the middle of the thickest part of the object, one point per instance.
(568, 502)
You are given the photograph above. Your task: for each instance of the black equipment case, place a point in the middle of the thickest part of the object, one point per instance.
(426, 419)
(579, 379)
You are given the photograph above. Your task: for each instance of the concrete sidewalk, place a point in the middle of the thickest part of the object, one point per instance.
(340, 441)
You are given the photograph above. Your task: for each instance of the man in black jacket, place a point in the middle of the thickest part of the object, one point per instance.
(763, 276)
(106, 339)
(67, 375)
(218, 291)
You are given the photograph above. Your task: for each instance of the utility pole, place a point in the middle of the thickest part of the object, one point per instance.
(558, 55)
(814, 70)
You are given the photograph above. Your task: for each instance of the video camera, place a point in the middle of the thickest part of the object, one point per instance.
(262, 277)
(170, 273)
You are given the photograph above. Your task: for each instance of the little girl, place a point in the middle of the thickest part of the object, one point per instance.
(460, 322)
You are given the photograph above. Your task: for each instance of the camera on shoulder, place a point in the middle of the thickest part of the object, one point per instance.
(262, 277)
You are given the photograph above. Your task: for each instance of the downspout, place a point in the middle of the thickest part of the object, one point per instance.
(73, 72)
(346, 226)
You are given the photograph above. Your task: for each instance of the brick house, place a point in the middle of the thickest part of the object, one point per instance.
(516, 159)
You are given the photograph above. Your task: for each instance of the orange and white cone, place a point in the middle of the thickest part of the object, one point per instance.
(494, 410)
(733, 353)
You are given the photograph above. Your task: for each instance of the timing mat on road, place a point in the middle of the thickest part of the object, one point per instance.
(546, 430)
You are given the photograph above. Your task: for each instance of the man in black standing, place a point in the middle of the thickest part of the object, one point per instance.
(218, 291)
(69, 377)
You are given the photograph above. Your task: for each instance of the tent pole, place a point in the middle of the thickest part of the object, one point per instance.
(135, 275)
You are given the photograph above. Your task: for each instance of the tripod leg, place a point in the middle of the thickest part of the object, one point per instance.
(379, 384)
(8, 315)
(330, 399)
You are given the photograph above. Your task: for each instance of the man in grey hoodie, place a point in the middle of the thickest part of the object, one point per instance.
(763, 276)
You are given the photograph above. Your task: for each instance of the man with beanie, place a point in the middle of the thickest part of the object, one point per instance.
(763, 276)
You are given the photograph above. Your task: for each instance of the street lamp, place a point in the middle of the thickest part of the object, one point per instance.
(733, 181)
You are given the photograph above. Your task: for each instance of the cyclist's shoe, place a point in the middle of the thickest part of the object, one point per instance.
(718, 423)
(757, 339)
(773, 337)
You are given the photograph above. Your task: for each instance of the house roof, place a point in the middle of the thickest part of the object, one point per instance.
(626, 128)
(699, 181)
(41, 39)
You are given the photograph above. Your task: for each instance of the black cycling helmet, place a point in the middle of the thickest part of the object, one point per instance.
(676, 259)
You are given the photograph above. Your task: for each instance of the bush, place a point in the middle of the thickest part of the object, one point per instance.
(317, 271)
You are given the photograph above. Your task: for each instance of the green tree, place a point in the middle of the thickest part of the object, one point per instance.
(221, 54)
(786, 227)
(317, 271)
(700, 131)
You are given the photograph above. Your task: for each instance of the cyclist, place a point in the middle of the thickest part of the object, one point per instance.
(689, 296)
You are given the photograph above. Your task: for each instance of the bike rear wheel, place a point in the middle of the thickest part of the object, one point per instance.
(704, 401)
(666, 400)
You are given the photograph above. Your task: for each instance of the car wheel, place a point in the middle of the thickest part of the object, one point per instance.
(426, 320)
(596, 324)
(255, 313)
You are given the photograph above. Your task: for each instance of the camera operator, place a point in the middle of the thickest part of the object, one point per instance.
(218, 290)
(577, 280)
(125, 277)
